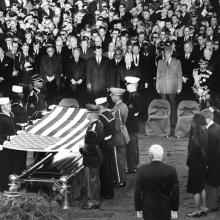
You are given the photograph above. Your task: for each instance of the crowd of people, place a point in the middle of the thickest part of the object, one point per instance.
(122, 52)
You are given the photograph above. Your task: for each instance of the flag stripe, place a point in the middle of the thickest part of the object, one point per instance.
(44, 122)
(59, 122)
(70, 123)
(71, 135)
(52, 122)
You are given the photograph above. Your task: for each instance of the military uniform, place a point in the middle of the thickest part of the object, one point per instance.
(92, 162)
(20, 117)
(120, 139)
(132, 151)
(7, 156)
(107, 147)
(36, 103)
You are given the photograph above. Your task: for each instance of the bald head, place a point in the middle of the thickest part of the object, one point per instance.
(156, 151)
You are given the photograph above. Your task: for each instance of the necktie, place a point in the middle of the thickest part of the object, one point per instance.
(167, 62)
(136, 60)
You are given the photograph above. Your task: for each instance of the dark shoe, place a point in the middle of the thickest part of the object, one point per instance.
(122, 184)
(195, 214)
(131, 171)
(90, 205)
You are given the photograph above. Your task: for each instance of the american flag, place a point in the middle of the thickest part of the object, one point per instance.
(62, 128)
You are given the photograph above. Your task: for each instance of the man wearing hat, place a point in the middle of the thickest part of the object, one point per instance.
(92, 156)
(133, 101)
(120, 136)
(21, 120)
(107, 147)
(169, 81)
(7, 129)
(36, 102)
(157, 188)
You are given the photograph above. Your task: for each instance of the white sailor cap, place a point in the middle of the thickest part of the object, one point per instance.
(17, 89)
(132, 79)
(101, 100)
(4, 100)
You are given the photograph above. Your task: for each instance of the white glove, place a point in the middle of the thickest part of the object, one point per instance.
(174, 215)
(73, 81)
(184, 79)
(145, 85)
(1, 147)
(139, 214)
(79, 81)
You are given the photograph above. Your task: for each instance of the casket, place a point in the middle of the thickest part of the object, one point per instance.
(59, 134)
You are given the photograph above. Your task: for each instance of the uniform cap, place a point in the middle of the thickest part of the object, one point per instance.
(92, 107)
(156, 150)
(17, 89)
(117, 91)
(36, 78)
(4, 100)
(132, 79)
(101, 100)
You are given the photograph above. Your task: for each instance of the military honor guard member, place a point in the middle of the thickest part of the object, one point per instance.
(133, 101)
(120, 136)
(21, 120)
(92, 156)
(36, 102)
(107, 147)
(7, 130)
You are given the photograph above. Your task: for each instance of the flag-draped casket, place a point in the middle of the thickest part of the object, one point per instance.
(60, 133)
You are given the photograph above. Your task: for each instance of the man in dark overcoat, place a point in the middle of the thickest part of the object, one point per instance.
(157, 188)
(96, 74)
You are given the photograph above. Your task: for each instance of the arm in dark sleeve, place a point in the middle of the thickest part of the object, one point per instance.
(138, 195)
(175, 192)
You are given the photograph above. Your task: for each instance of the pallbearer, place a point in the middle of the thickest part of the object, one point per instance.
(107, 147)
(133, 102)
(120, 136)
(7, 130)
(92, 156)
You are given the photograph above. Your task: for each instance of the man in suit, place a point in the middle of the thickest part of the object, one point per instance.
(113, 75)
(96, 74)
(86, 52)
(169, 81)
(188, 62)
(213, 161)
(157, 188)
(6, 69)
(76, 75)
(51, 69)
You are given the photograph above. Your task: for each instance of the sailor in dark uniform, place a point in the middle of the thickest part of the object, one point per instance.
(21, 120)
(133, 102)
(92, 156)
(7, 130)
(107, 147)
(36, 102)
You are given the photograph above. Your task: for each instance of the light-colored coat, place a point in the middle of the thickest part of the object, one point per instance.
(169, 78)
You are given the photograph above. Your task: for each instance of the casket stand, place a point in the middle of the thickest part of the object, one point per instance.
(60, 133)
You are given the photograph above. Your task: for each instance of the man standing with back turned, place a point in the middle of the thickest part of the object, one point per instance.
(157, 188)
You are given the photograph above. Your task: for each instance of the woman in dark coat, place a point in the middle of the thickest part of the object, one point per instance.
(7, 129)
(196, 161)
